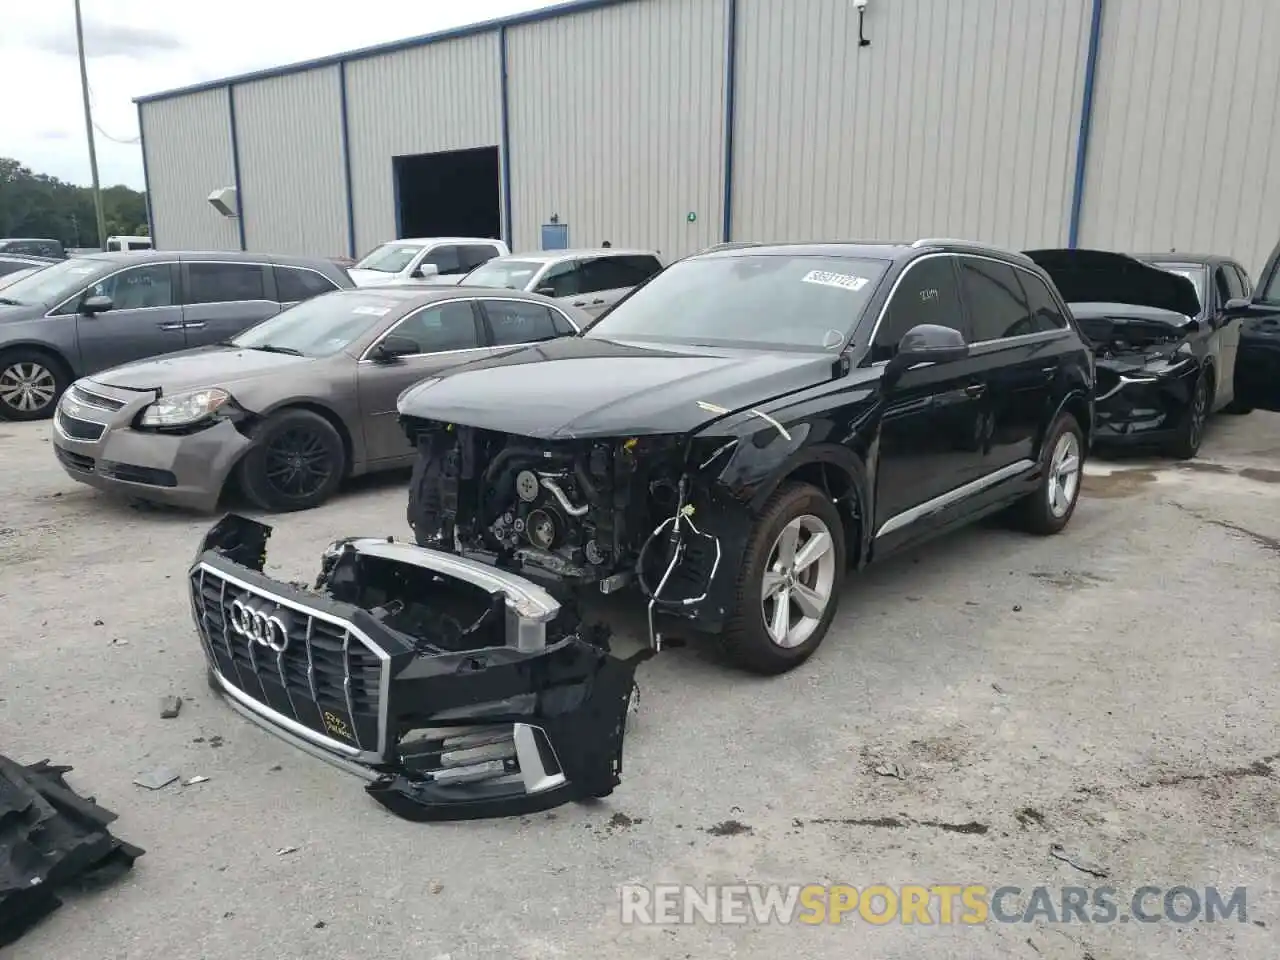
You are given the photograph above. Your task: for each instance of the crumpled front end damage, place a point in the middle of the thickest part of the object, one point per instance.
(457, 690)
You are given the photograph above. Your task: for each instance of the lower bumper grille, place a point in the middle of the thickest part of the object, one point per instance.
(309, 668)
(74, 461)
(78, 429)
(129, 473)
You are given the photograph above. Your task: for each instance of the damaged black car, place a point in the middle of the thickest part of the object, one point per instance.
(1165, 347)
(751, 423)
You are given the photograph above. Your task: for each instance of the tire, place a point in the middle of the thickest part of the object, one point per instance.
(747, 637)
(1186, 444)
(1236, 408)
(1049, 509)
(29, 376)
(299, 440)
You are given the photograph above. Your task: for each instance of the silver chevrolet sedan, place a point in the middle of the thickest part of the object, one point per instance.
(292, 406)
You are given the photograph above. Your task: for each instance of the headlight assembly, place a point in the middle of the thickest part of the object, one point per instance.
(182, 409)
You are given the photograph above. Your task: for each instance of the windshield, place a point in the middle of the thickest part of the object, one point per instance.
(390, 257)
(56, 282)
(765, 301)
(506, 274)
(321, 326)
(1194, 272)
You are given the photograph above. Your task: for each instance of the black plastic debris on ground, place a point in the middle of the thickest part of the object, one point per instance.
(51, 840)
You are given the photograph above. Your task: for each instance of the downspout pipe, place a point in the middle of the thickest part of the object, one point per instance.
(730, 83)
(235, 164)
(1086, 123)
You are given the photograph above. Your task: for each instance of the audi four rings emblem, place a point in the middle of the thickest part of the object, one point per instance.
(267, 629)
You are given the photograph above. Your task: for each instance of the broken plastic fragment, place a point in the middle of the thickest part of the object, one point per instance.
(156, 779)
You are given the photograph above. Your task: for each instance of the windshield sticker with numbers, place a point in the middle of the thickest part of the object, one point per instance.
(842, 280)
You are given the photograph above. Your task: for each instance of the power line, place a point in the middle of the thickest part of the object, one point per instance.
(128, 142)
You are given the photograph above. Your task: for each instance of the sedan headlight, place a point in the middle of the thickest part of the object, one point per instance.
(184, 408)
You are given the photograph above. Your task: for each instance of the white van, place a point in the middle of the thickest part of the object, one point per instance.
(118, 244)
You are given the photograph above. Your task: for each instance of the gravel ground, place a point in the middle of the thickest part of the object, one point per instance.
(1113, 690)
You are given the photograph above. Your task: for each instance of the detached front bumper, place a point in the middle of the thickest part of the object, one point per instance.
(457, 690)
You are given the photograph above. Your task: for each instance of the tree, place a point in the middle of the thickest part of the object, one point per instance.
(36, 205)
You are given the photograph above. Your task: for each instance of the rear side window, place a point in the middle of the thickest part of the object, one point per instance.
(224, 282)
(611, 273)
(563, 280)
(926, 293)
(113, 246)
(514, 322)
(293, 284)
(1234, 288)
(995, 299)
(473, 255)
(1045, 312)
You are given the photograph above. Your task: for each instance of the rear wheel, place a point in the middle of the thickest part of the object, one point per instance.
(1049, 509)
(30, 384)
(789, 583)
(1186, 444)
(297, 462)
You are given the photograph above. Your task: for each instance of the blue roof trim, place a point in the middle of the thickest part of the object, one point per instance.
(456, 33)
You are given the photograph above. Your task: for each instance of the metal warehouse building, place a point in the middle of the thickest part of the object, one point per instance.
(674, 124)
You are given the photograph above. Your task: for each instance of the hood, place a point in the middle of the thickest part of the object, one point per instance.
(200, 367)
(370, 278)
(590, 387)
(1100, 276)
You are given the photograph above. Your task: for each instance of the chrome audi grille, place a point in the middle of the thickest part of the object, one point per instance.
(303, 665)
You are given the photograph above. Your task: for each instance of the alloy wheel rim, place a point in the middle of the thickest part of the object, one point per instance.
(798, 581)
(27, 386)
(1198, 404)
(1064, 474)
(298, 464)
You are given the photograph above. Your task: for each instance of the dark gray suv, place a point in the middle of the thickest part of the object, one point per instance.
(96, 311)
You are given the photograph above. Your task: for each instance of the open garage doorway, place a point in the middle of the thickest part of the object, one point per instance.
(453, 193)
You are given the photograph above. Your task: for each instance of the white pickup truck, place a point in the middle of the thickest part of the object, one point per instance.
(425, 259)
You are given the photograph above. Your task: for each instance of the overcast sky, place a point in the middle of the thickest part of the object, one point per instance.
(137, 47)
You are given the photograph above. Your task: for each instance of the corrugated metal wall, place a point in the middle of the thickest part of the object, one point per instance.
(188, 144)
(292, 184)
(1186, 129)
(446, 96)
(958, 120)
(616, 125)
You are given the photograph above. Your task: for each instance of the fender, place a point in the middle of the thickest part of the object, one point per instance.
(1077, 394)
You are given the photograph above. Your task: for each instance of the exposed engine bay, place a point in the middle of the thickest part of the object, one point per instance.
(1115, 335)
(589, 513)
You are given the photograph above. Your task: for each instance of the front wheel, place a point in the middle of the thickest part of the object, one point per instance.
(1049, 509)
(789, 585)
(1186, 444)
(297, 462)
(30, 384)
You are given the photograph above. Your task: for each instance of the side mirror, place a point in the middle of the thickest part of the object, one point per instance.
(1237, 307)
(425, 270)
(925, 343)
(98, 304)
(546, 291)
(393, 348)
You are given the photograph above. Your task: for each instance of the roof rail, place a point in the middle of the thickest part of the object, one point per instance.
(975, 246)
(733, 245)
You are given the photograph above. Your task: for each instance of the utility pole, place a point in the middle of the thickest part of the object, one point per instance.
(88, 129)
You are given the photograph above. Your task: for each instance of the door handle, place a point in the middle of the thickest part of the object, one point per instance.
(579, 303)
(194, 325)
(975, 389)
(169, 326)
(596, 303)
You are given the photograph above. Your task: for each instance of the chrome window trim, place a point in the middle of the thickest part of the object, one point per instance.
(1022, 337)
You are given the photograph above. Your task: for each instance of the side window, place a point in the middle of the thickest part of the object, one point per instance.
(1245, 283)
(563, 280)
(138, 288)
(472, 256)
(293, 284)
(113, 246)
(450, 326)
(1045, 313)
(446, 259)
(997, 306)
(513, 322)
(563, 327)
(225, 282)
(926, 293)
(612, 273)
(1221, 285)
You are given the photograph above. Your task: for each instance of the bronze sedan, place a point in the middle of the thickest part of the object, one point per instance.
(292, 406)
